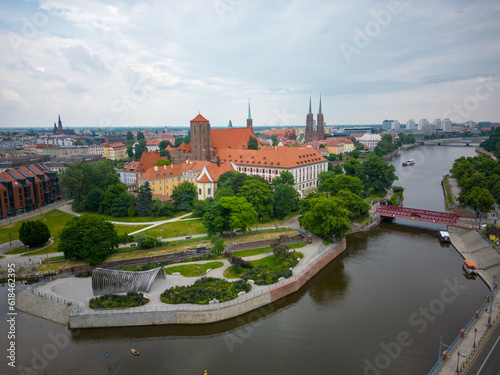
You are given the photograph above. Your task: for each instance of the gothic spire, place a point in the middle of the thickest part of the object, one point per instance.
(320, 105)
(249, 114)
(230, 124)
(310, 110)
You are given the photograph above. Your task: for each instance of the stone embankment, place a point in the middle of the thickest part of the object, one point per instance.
(471, 245)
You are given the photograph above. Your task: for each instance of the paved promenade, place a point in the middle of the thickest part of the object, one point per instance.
(463, 350)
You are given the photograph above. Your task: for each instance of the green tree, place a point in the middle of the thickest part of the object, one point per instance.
(223, 191)
(130, 136)
(252, 144)
(233, 179)
(216, 218)
(184, 196)
(140, 136)
(260, 195)
(78, 178)
(343, 182)
(338, 169)
(351, 166)
(110, 194)
(286, 200)
(218, 246)
(326, 217)
(284, 178)
(241, 213)
(139, 148)
(274, 139)
(166, 153)
(164, 144)
(356, 206)
(376, 174)
(94, 199)
(34, 233)
(121, 204)
(144, 199)
(480, 198)
(88, 238)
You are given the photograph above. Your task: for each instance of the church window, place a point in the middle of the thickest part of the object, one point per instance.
(208, 191)
(204, 128)
(194, 128)
(199, 191)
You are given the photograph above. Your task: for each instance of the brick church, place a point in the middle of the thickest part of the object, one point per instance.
(206, 142)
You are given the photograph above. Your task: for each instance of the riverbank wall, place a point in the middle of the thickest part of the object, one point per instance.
(213, 312)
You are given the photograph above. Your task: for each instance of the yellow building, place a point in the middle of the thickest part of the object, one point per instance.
(115, 151)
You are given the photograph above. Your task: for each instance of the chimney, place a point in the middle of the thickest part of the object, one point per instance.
(218, 161)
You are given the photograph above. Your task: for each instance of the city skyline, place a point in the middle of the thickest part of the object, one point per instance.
(126, 64)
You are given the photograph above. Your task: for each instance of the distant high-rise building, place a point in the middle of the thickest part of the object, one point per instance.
(438, 124)
(386, 124)
(423, 124)
(410, 124)
(395, 125)
(446, 125)
(470, 124)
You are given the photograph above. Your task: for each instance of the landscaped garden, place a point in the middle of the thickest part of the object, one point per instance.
(205, 290)
(267, 270)
(114, 301)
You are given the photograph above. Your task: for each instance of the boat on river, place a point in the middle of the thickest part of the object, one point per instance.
(444, 236)
(470, 267)
(408, 162)
(134, 352)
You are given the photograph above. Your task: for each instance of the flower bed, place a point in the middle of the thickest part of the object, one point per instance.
(113, 301)
(270, 274)
(205, 290)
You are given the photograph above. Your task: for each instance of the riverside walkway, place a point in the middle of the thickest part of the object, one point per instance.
(461, 353)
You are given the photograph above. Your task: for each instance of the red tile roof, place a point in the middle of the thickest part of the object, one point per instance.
(199, 118)
(235, 138)
(281, 157)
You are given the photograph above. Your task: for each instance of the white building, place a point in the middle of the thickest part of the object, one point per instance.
(438, 124)
(370, 140)
(395, 125)
(423, 124)
(447, 125)
(269, 162)
(410, 124)
(128, 174)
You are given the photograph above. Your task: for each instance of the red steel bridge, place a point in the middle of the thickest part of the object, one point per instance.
(417, 214)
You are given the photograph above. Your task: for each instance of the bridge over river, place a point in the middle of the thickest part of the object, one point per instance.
(466, 141)
(417, 214)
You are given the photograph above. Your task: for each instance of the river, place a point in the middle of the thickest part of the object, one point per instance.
(380, 308)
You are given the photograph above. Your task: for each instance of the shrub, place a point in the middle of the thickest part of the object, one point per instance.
(205, 290)
(265, 275)
(84, 274)
(145, 241)
(228, 254)
(113, 301)
(237, 261)
(34, 233)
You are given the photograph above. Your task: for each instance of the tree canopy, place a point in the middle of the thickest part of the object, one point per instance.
(241, 213)
(34, 233)
(88, 238)
(252, 144)
(326, 217)
(184, 196)
(284, 178)
(144, 199)
(376, 174)
(260, 195)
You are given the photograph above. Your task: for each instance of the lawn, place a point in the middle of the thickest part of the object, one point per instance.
(178, 229)
(193, 270)
(55, 221)
(135, 219)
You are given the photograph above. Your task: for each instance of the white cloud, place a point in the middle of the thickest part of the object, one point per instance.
(10, 99)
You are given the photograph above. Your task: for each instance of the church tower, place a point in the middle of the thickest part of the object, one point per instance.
(249, 119)
(320, 124)
(309, 133)
(60, 130)
(201, 141)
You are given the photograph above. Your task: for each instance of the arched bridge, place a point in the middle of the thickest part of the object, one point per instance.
(417, 214)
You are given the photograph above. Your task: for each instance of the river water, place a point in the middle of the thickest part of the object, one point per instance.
(380, 308)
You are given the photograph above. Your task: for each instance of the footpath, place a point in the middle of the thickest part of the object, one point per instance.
(458, 356)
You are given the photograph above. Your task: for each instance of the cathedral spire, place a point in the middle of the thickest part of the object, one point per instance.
(310, 110)
(230, 124)
(249, 119)
(320, 113)
(249, 114)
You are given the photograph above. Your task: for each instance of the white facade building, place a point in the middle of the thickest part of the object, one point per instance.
(410, 124)
(370, 140)
(447, 125)
(438, 123)
(423, 124)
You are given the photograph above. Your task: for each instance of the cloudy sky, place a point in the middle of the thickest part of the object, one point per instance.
(157, 63)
